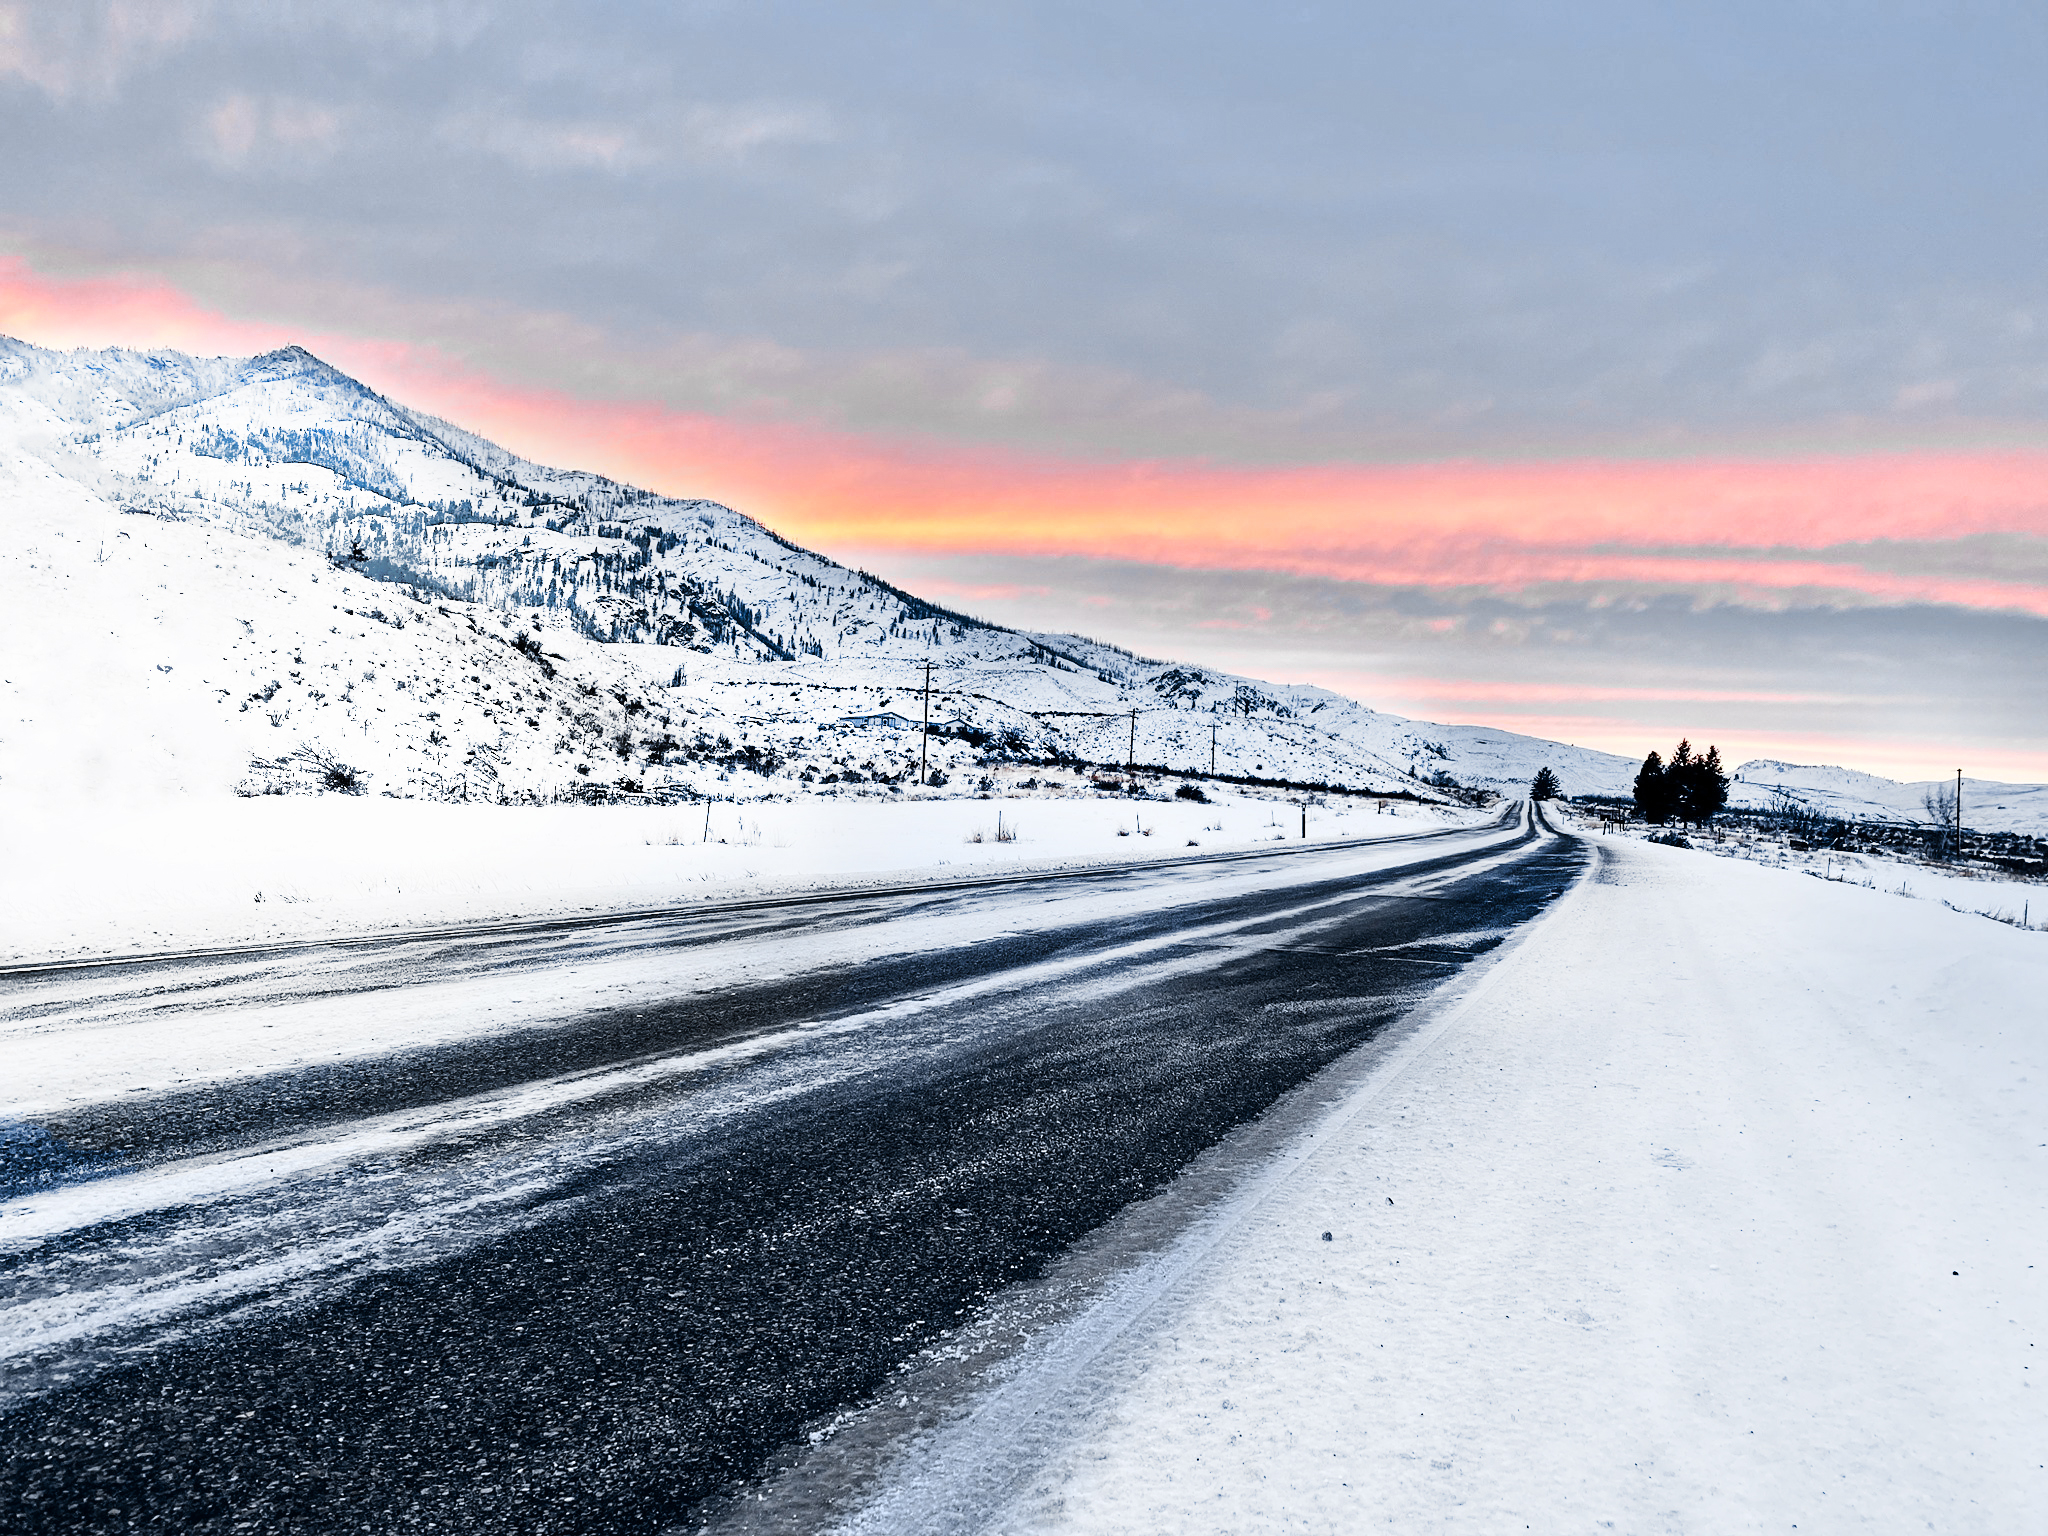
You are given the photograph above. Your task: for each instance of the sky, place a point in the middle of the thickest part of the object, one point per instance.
(1609, 372)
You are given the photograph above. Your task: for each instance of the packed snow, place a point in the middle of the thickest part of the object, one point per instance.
(1982, 892)
(1720, 1204)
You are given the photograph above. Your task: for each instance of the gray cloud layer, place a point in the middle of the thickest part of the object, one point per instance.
(1382, 229)
(1127, 229)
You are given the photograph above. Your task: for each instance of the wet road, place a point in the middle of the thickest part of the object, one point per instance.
(577, 1227)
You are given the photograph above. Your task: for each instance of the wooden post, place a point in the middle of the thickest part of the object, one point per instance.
(1212, 749)
(1131, 755)
(1959, 813)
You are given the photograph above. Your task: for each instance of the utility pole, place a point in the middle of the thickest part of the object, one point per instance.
(1131, 755)
(1304, 821)
(1959, 813)
(924, 740)
(1212, 749)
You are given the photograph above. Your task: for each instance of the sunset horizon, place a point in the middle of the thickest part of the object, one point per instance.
(1837, 529)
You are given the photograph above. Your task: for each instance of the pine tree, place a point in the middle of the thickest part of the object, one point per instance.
(1653, 790)
(1702, 788)
(1544, 786)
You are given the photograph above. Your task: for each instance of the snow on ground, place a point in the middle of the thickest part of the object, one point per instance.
(1718, 1206)
(2022, 903)
(83, 880)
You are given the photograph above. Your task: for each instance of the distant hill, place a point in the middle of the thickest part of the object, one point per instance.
(1988, 805)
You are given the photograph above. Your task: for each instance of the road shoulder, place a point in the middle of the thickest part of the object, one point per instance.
(1717, 1210)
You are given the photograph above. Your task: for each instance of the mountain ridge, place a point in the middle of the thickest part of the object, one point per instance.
(710, 625)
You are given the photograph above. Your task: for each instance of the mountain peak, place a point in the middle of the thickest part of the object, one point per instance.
(295, 362)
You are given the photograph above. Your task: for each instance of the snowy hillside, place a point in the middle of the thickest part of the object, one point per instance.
(260, 573)
(1988, 805)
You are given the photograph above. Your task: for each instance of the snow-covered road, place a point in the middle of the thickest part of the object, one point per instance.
(576, 1227)
(1142, 1200)
(1721, 1206)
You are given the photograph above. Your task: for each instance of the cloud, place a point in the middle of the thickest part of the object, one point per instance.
(1769, 532)
(88, 47)
(735, 130)
(538, 145)
(1926, 392)
(700, 134)
(1908, 691)
(241, 131)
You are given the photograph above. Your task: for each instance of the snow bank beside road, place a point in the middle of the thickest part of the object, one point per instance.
(1719, 1210)
(83, 880)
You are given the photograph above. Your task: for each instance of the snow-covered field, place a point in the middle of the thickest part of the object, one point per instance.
(1984, 893)
(182, 873)
(1720, 1204)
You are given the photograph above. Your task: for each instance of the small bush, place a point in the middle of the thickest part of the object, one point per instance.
(331, 773)
(529, 647)
(1191, 792)
(1672, 840)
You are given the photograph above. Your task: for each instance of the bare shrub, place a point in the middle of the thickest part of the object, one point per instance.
(339, 777)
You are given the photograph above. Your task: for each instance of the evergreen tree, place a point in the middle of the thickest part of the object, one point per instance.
(1687, 788)
(1544, 786)
(1653, 790)
(1702, 788)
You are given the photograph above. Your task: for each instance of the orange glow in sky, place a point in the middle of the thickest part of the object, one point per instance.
(1756, 528)
(1752, 525)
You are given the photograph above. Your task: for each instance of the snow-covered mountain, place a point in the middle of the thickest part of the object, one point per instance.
(358, 585)
(260, 573)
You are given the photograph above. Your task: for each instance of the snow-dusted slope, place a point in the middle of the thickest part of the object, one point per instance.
(243, 571)
(1988, 805)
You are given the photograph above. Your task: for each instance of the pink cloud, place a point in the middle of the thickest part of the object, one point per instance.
(1766, 530)
(1732, 524)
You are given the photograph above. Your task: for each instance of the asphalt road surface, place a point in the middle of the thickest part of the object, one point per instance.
(578, 1227)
